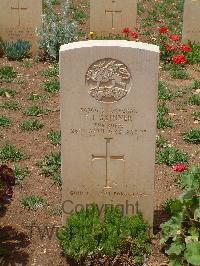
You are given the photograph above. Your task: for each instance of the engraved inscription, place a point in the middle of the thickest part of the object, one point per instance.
(107, 157)
(109, 80)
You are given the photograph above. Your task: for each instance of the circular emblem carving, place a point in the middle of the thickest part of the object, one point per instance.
(108, 80)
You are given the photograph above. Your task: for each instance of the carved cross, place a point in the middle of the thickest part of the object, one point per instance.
(108, 158)
(113, 12)
(19, 8)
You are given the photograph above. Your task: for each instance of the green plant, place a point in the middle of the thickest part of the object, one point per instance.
(193, 136)
(51, 165)
(6, 92)
(78, 13)
(33, 202)
(11, 105)
(51, 86)
(181, 234)
(196, 115)
(194, 99)
(179, 73)
(87, 239)
(54, 137)
(36, 111)
(10, 153)
(161, 142)
(4, 121)
(163, 92)
(37, 97)
(16, 50)
(193, 57)
(161, 121)
(52, 71)
(20, 173)
(55, 212)
(27, 63)
(55, 2)
(7, 73)
(57, 29)
(171, 156)
(31, 125)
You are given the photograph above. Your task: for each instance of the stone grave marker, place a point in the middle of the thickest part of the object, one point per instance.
(108, 125)
(111, 16)
(19, 19)
(191, 21)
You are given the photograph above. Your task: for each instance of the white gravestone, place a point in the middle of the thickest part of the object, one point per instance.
(108, 125)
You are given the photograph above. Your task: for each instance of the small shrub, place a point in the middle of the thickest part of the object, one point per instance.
(57, 29)
(193, 136)
(51, 72)
(6, 92)
(181, 234)
(4, 121)
(33, 202)
(179, 74)
(193, 57)
(16, 50)
(20, 173)
(162, 122)
(51, 86)
(78, 13)
(51, 166)
(163, 92)
(54, 137)
(10, 153)
(37, 97)
(194, 99)
(36, 111)
(7, 73)
(10, 105)
(87, 240)
(161, 142)
(196, 115)
(171, 156)
(31, 125)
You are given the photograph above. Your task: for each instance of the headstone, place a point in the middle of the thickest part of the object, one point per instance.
(108, 125)
(19, 19)
(191, 21)
(111, 16)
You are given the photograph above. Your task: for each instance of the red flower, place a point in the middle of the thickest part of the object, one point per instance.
(179, 59)
(170, 47)
(179, 167)
(174, 38)
(185, 48)
(126, 30)
(163, 30)
(134, 35)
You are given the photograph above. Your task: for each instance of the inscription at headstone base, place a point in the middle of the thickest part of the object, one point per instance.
(19, 19)
(108, 125)
(111, 16)
(191, 21)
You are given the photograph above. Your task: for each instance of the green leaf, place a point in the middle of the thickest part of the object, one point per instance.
(197, 214)
(176, 248)
(175, 262)
(192, 253)
(188, 195)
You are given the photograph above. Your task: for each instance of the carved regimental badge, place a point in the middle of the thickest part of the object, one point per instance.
(109, 80)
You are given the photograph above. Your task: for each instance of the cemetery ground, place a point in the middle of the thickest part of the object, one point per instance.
(30, 144)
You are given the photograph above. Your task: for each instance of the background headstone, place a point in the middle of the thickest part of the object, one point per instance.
(18, 20)
(191, 21)
(111, 16)
(108, 125)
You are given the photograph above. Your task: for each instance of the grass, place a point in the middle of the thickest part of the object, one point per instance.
(37, 97)
(54, 137)
(36, 111)
(193, 57)
(5, 122)
(51, 71)
(193, 136)
(170, 156)
(33, 202)
(27, 63)
(55, 212)
(179, 74)
(194, 99)
(7, 73)
(161, 142)
(7, 92)
(10, 105)
(10, 153)
(31, 125)
(78, 13)
(20, 173)
(162, 122)
(52, 86)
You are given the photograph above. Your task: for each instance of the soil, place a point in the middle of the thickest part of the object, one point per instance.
(22, 231)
